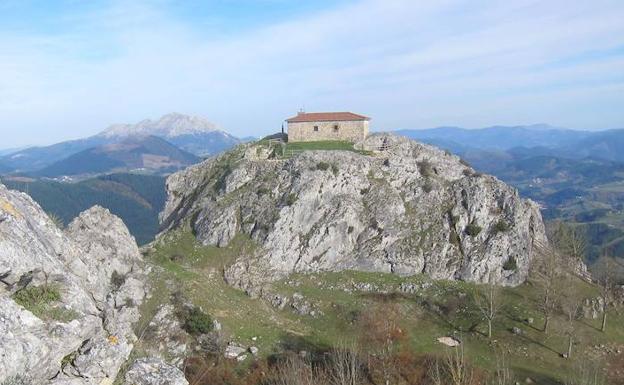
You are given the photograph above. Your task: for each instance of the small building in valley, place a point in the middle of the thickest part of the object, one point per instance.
(318, 126)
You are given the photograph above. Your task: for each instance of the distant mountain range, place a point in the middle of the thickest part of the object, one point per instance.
(538, 139)
(36, 158)
(498, 137)
(192, 134)
(132, 153)
(7, 151)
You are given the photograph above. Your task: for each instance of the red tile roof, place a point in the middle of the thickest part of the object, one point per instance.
(326, 117)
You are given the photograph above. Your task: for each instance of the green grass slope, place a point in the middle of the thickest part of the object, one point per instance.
(434, 309)
(288, 149)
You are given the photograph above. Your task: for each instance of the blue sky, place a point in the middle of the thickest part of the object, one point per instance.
(68, 69)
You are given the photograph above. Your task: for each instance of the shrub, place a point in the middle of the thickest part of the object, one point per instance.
(501, 226)
(425, 168)
(223, 170)
(464, 201)
(58, 222)
(473, 229)
(212, 344)
(38, 300)
(510, 264)
(117, 280)
(36, 296)
(262, 191)
(210, 370)
(453, 305)
(427, 187)
(197, 322)
(290, 199)
(322, 166)
(454, 238)
(62, 314)
(68, 359)
(334, 169)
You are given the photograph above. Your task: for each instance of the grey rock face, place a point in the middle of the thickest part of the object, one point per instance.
(233, 351)
(154, 371)
(84, 337)
(166, 334)
(409, 209)
(106, 245)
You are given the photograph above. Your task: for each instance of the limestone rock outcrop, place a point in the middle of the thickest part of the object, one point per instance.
(154, 371)
(404, 208)
(68, 298)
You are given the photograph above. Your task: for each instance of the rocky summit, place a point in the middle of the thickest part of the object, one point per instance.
(394, 205)
(68, 298)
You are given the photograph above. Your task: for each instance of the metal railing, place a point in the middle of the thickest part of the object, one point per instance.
(381, 148)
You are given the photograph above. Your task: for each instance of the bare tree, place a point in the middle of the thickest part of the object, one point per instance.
(294, 370)
(451, 369)
(381, 334)
(436, 372)
(345, 366)
(569, 244)
(546, 272)
(502, 375)
(488, 299)
(570, 304)
(569, 240)
(607, 279)
(586, 371)
(460, 371)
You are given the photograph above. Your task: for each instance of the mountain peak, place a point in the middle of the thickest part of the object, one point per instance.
(171, 125)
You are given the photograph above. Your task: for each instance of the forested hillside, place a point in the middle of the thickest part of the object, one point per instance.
(137, 199)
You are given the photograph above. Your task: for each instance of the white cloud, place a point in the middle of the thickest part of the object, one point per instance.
(406, 63)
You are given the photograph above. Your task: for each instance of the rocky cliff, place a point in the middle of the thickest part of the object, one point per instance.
(68, 298)
(408, 209)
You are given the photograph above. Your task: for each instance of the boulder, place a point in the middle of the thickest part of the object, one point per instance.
(449, 341)
(233, 351)
(154, 371)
